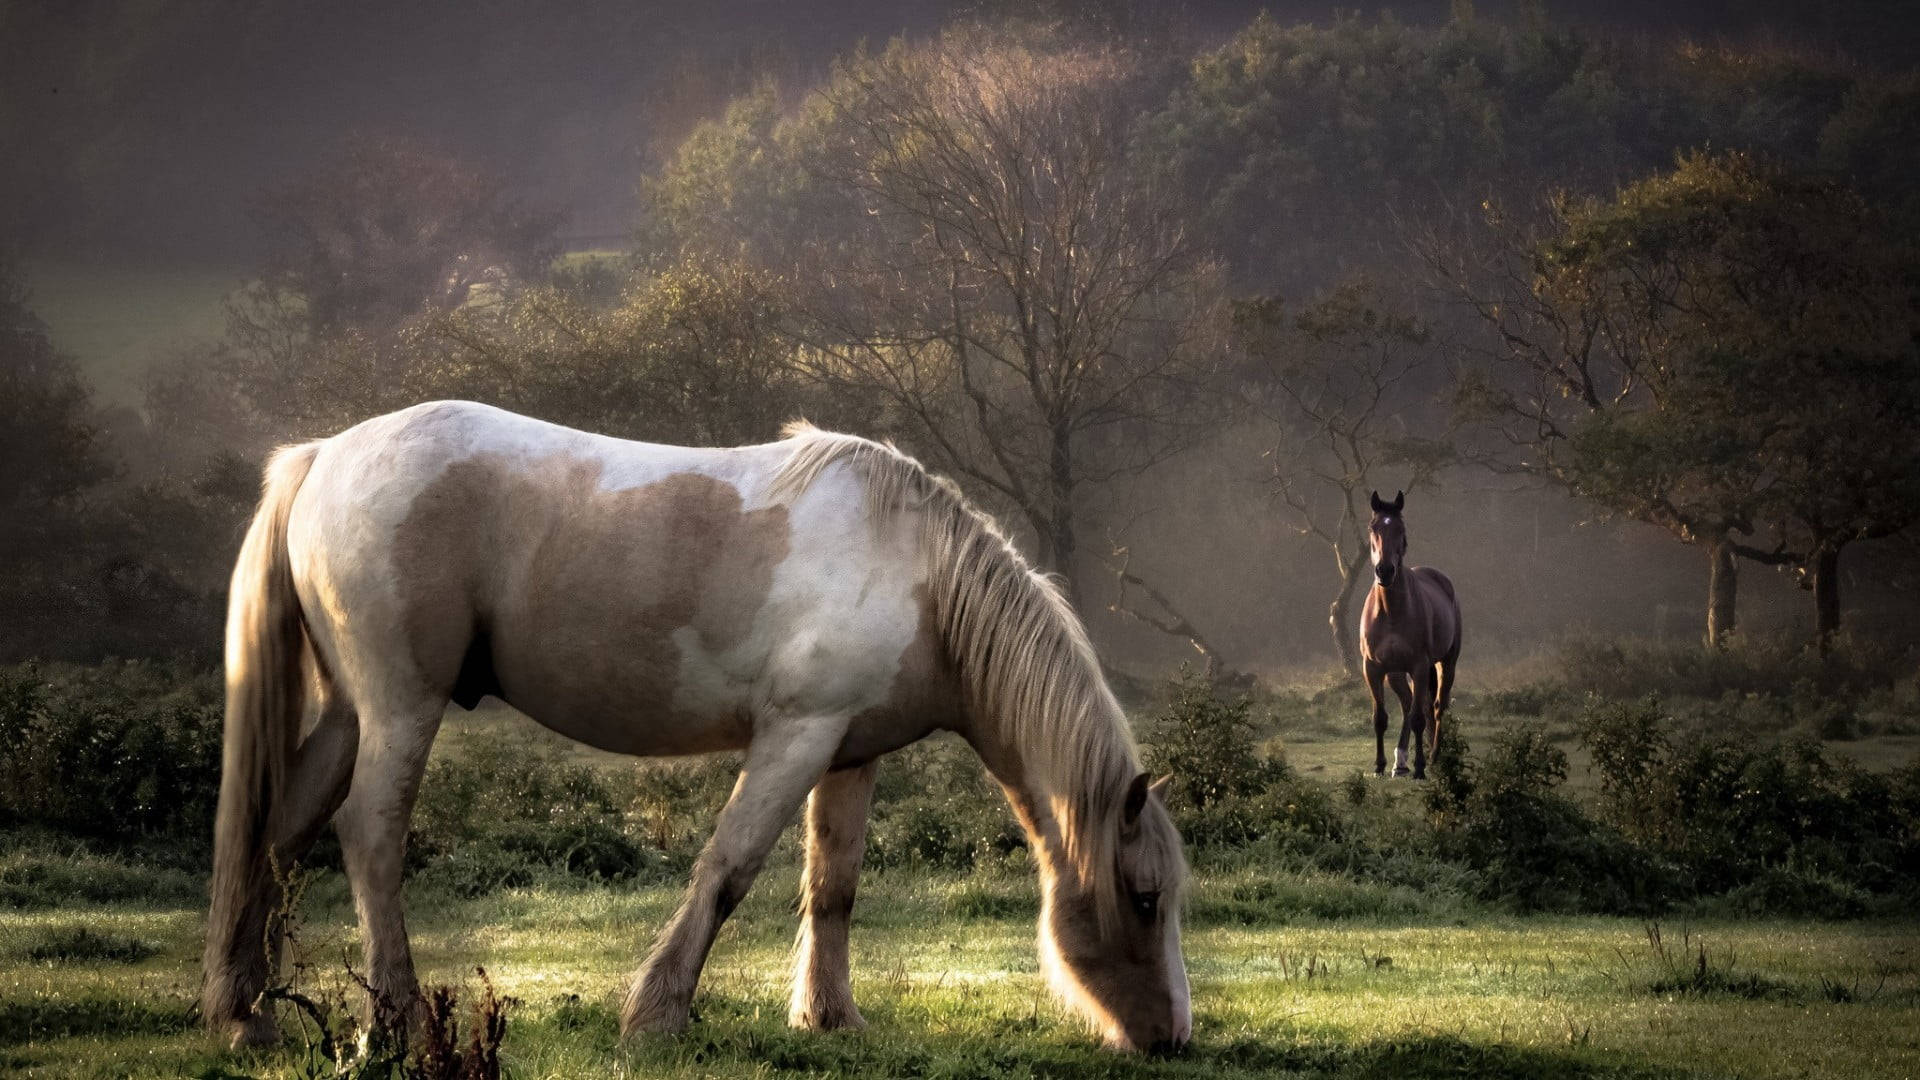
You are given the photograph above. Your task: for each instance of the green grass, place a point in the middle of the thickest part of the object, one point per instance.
(945, 973)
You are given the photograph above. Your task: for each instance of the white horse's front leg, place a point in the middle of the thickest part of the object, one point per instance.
(836, 841)
(783, 762)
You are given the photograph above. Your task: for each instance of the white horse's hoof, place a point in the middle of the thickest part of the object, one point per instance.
(833, 1018)
(254, 1032)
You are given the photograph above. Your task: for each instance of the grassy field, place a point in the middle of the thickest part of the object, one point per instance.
(945, 972)
(1299, 968)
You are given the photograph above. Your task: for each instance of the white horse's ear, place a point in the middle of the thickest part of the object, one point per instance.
(1136, 799)
(1159, 787)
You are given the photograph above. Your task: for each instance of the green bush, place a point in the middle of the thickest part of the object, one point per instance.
(1782, 825)
(118, 753)
(934, 806)
(1532, 848)
(1762, 667)
(502, 812)
(1224, 791)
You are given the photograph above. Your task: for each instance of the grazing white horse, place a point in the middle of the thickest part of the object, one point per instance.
(816, 602)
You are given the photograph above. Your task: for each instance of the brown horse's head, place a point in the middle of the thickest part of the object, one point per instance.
(1387, 537)
(1119, 964)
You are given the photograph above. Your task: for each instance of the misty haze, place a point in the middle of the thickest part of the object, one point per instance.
(1414, 508)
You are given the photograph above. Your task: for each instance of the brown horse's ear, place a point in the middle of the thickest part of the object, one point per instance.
(1399, 501)
(1136, 799)
(1379, 506)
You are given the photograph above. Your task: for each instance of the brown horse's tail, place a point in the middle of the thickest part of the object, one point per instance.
(266, 643)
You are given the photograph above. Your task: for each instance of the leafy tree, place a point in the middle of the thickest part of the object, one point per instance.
(1719, 350)
(1338, 384)
(48, 437)
(53, 457)
(1316, 141)
(388, 228)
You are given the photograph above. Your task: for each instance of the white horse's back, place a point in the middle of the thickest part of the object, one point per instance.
(641, 598)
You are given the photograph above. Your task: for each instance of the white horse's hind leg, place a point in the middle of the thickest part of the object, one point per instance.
(836, 840)
(373, 835)
(785, 759)
(316, 783)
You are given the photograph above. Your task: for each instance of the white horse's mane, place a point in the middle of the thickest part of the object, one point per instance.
(1022, 653)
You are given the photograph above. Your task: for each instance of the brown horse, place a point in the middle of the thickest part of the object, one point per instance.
(1409, 632)
(816, 602)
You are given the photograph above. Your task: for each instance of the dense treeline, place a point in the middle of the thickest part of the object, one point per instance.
(1052, 257)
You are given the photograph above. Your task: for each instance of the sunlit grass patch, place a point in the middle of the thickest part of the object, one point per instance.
(946, 974)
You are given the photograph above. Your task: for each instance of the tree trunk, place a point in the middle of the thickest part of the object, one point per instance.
(1060, 537)
(1826, 599)
(1723, 581)
(1340, 622)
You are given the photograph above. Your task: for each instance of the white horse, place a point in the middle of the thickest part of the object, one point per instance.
(815, 602)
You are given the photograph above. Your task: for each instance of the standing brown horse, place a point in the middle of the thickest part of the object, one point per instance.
(1409, 632)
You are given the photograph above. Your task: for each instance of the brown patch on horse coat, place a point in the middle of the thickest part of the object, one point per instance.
(924, 696)
(577, 592)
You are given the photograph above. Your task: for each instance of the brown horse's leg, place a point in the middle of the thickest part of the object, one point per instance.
(243, 950)
(1447, 666)
(786, 758)
(836, 840)
(372, 824)
(1375, 676)
(1421, 713)
(1398, 681)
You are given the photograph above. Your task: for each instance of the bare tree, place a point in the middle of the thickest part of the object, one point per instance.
(1022, 292)
(1335, 383)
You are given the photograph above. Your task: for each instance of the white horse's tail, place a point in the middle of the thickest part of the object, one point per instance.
(266, 644)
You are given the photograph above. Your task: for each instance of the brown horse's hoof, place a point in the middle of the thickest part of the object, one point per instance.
(1401, 771)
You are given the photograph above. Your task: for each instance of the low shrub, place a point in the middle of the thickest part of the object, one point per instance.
(1531, 848)
(121, 753)
(503, 812)
(1764, 667)
(934, 806)
(1777, 823)
(1224, 791)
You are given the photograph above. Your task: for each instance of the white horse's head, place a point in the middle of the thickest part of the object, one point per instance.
(1110, 940)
